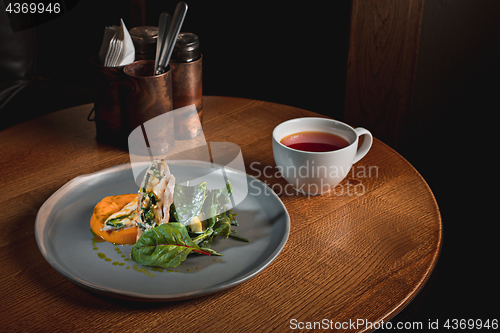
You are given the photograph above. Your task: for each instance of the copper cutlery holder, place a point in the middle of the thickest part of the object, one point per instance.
(107, 111)
(127, 97)
(146, 95)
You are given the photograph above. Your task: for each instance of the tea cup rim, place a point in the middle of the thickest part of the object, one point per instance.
(314, 118)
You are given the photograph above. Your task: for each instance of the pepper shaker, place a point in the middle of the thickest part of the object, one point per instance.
(186, 64)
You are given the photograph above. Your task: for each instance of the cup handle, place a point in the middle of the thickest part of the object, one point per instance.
(365, 146)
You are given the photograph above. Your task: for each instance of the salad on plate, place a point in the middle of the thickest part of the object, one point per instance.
(165, 221)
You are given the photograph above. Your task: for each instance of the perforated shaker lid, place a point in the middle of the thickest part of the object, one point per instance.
(187, 48)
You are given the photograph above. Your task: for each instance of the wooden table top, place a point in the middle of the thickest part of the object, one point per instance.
(359, 255)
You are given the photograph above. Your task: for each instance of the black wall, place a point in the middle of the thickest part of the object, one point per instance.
(452, 144)
(272, 51)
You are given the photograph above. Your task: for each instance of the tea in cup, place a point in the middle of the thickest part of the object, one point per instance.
(316, 154)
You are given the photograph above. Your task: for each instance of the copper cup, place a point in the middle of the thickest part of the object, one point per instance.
(187, 90)
(110, 127)
(147, 96)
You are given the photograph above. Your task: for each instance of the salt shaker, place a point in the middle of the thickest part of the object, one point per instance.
(186, 64)
(144, 38)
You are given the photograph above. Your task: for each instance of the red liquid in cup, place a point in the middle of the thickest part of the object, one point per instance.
(314, 141)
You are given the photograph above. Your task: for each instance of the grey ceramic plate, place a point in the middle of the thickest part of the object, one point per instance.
(62, 230)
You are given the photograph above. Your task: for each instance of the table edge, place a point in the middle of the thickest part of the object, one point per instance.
(407, 300)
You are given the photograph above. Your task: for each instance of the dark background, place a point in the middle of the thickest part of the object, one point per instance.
(296, 54)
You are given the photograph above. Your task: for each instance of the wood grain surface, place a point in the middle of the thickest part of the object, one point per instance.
(381, 66)
(350, 256)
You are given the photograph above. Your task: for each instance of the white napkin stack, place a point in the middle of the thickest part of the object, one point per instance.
(117, 48)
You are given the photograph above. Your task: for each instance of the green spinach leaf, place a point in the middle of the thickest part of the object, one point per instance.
(164, 246)
(188, 202)
(223, 226)
(215, 203)
(234, 234)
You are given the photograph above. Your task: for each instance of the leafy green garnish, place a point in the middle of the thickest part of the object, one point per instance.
(188, 201)
(164, 246)
(167, 245)
(216, 201)
(222, 226)
(234, 234)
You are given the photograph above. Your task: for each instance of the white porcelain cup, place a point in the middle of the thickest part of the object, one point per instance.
(316, 173)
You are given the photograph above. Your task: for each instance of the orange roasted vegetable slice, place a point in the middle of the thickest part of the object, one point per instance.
(104, 209)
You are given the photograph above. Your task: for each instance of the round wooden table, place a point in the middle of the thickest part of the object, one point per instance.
(354, 258)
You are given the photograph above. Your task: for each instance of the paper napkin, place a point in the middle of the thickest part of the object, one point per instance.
(117, 48)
